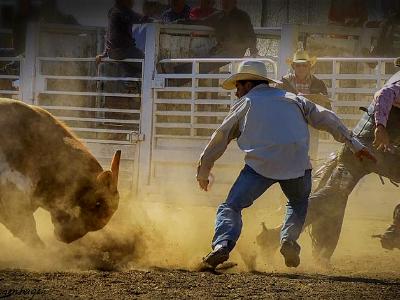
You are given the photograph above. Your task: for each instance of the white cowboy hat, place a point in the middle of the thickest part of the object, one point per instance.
(301, 56)
(249, 70)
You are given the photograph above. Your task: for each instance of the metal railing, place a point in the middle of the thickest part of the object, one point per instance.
(192, 103)
(100, 108)
(352, 83)
(10, 78)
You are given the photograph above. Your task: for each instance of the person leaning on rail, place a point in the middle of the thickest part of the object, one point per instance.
(301, 80)
(271, 128)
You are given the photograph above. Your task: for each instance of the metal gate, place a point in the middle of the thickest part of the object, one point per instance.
(102, 110)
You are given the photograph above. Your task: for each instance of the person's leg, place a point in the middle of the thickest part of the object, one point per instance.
(327, 206)
(248, 187)
(297, 191)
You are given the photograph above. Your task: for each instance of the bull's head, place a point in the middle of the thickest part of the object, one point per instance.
(95, 202)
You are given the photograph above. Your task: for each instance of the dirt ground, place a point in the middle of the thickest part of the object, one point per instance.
(167, 284)
(155, 258)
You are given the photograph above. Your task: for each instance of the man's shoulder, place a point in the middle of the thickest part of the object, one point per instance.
(288, 77)
(238, 13)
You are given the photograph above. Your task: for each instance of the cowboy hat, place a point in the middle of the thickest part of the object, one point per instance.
(301, 56)
(248, 70)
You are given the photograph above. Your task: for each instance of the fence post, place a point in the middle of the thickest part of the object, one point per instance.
(28, 70)
(146, 117)
(288, 45)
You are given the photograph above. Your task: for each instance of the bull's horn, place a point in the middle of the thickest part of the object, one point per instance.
(115, 167)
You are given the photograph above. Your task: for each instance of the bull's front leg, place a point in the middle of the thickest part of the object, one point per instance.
(16, 213)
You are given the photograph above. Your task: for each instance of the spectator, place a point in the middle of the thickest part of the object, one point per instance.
(50, 13)
(233, 30)
(152, 11)
(205, 8)
(302, 81)
(178, 11)
(388, 44)
(119, 41)
(348, 12)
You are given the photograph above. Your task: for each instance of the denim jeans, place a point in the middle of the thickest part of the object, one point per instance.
(248, 187)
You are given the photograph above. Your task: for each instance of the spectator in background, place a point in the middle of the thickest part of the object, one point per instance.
(388, 44)
(178, 10)
(152, 10)
(205, 8)
(119, 41)
(50, 13)
(348, 12)
(233, 30)
(302, 81)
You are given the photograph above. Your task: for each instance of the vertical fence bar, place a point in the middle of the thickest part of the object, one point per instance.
(146, 120)
(27, 80)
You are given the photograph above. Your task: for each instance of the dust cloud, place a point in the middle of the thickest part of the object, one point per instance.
(145, 235)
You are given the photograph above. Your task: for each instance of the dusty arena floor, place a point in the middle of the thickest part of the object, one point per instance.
(175, 244)
(162, 284)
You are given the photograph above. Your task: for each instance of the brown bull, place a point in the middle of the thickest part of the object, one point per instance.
(42, 164)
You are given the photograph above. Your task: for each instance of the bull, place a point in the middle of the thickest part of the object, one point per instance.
(42, 164)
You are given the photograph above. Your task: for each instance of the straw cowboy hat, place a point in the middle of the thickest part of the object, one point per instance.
(249, 70)
(301, 56)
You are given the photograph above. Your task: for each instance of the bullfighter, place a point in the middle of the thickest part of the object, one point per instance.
(271, 127)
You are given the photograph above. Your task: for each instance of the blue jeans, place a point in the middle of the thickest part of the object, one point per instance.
(248, 187)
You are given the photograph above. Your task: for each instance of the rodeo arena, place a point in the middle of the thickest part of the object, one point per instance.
(136, 137)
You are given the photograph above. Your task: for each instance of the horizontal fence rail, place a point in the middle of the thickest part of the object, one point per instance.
(352, 83)
(101, 106)
(189, 100)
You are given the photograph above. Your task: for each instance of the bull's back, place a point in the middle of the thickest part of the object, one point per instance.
(34, 142)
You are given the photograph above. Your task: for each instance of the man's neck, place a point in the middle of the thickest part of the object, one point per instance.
(303, 80)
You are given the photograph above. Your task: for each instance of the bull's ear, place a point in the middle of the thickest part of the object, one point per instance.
(115, 168)
(105, 179)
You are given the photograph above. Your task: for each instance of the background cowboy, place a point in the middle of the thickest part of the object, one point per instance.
(302, 81)
(271, 127)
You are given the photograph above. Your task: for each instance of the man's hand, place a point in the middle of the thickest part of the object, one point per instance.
(381, 141)
(99, 58)
(203, 184)
(364, 153)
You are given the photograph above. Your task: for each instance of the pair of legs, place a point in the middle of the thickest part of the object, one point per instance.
(248, 187)
(328, 202)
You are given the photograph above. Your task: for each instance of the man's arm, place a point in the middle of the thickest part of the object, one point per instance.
(228, 131)
(326, 120)
(383, 101)
(248, 34)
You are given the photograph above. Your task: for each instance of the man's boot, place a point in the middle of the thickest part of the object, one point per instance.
(219, 255)
(291, 252)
